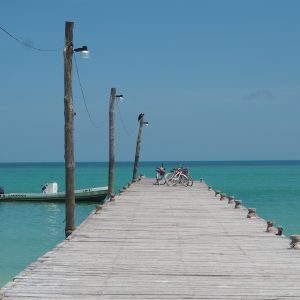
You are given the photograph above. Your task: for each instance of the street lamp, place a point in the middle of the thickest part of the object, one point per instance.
(120, 97)
(83, 52)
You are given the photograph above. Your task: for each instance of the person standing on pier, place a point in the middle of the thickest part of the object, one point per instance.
(160, 172)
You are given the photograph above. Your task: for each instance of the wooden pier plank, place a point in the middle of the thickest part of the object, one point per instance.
(159, 242)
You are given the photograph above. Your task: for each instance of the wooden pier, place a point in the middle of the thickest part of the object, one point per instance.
(159, 242)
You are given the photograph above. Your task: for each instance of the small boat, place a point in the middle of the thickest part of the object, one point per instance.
(50, 193)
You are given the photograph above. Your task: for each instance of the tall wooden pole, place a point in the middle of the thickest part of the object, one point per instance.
(111, 170)
(137, 150)
(69, 117)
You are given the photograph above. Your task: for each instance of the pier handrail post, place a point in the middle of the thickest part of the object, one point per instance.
(138, 147)
(69, 118)
(111, 167)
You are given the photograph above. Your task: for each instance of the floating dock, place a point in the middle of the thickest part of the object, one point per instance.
(160, 242)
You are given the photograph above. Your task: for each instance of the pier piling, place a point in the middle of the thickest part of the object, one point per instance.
(294, 244)
(238, 203)
(279, 230)
(251, 213)
(270, 227)
(231, 200)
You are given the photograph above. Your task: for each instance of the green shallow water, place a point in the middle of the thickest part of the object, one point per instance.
(28, 230)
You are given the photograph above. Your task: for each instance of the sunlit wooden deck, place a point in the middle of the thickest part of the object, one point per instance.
(159, 242)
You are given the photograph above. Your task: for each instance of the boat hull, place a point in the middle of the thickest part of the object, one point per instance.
(85, 195)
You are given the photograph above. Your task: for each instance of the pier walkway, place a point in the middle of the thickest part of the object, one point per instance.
(159, 242)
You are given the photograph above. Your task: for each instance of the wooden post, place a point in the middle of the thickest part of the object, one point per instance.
(270, 227)
(238, 203)
(137, 150)
(251, 213)
(295, 238)
(69, 117)
(111, 170)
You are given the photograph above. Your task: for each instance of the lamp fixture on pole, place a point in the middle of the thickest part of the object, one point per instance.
(83, 51)
(120, 97)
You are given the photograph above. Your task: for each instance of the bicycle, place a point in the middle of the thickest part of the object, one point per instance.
(175, 177)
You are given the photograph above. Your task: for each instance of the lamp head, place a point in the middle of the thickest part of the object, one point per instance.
(120, 97)
(83, 52)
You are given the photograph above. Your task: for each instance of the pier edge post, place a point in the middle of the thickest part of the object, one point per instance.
(238, 203)
(251, 213)
(223, 196)
(279, 230)
(294, 244)
(270, 227)
(230, 199)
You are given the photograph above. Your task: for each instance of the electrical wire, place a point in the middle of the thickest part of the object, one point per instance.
(122, 121)
(83, 96)
(77, 72)
(52, 50)
(27, 45)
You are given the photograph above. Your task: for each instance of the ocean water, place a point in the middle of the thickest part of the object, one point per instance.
(28, 230)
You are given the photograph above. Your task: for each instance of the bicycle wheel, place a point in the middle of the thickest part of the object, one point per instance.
(168, 178)
(191, 181)
(184, 180)
(171, 179)
(175, 180)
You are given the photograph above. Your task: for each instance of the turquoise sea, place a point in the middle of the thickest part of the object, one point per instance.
(28, 230)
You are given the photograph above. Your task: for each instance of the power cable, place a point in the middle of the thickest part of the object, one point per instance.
(53, 50)
(83, 96)
(122, 121)
(26, 44)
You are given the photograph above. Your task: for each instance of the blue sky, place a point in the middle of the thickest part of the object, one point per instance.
(217, 80)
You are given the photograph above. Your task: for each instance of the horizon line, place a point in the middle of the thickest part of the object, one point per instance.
(165, 161)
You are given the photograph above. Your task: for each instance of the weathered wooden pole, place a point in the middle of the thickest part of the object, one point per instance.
(138, 147)
(69, 117)
(111, 167)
